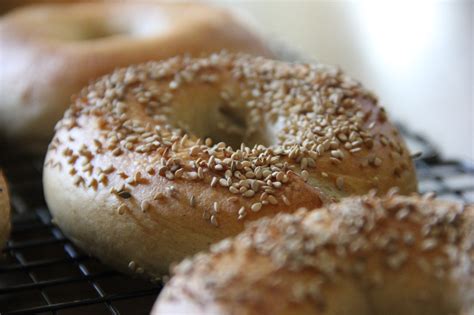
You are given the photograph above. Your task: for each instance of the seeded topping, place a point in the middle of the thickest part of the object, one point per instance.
(367, 238)
(257, 124)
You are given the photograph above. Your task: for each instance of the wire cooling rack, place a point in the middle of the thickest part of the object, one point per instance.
(44, 273)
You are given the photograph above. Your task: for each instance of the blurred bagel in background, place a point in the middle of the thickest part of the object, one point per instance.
(8, 5)
(49, 52)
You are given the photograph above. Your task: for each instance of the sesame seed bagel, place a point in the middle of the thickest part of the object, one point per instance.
(365, 255)
(155, 162)
(51, 51)
(4, 211)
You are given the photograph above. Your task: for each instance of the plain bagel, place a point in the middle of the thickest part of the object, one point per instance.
(49, 52)
(157, 161)
(5, 224)
(364, 256)
(7, 5)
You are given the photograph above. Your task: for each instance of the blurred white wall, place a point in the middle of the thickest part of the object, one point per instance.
(416, 55)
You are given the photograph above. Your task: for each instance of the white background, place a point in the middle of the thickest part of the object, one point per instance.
(416, 55)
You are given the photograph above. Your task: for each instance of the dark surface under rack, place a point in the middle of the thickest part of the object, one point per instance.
(42, 272)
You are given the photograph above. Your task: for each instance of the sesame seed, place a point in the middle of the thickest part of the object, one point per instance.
(242, 213)
(109, 169)
(121, 209)
(150, 170)
(145, 205)
(305, 175)
(272, 200)
(192, 201)
(214, 220)
(249, 193)
(428, 244)
(159, 196)
(377, 161)
(277, 184)
(337, 154)
(192, 175)
(132, 266)
(233, 190)
(256, 207)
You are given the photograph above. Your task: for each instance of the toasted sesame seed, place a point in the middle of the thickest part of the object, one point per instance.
(192, 175)
(242, 213)
(145, 205)
(233, 190)
(132, 266)
(429, 244)
(256, 207)
(249, 193)
(233, 199)
(122, 209)
(150, 170)
(337, 154)
(377, 161)
(192, 201)
(159, 196)
(305, 175)
(272, 200)
(214, 220)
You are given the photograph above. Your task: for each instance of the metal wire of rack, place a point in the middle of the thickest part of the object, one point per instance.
(44, 273)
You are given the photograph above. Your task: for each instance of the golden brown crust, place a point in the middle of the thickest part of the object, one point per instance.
(4, 211)
(8, 5)
(365, 255)
(128, 178)
(49, 52)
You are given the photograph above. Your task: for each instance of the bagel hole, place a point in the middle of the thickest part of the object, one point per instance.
(94, 32)
(210, 116)
(238, 125)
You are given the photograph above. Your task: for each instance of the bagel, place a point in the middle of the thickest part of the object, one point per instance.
(49, 52)
(365, 255)
(4, 211)
(133, 177)
(7, 5)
